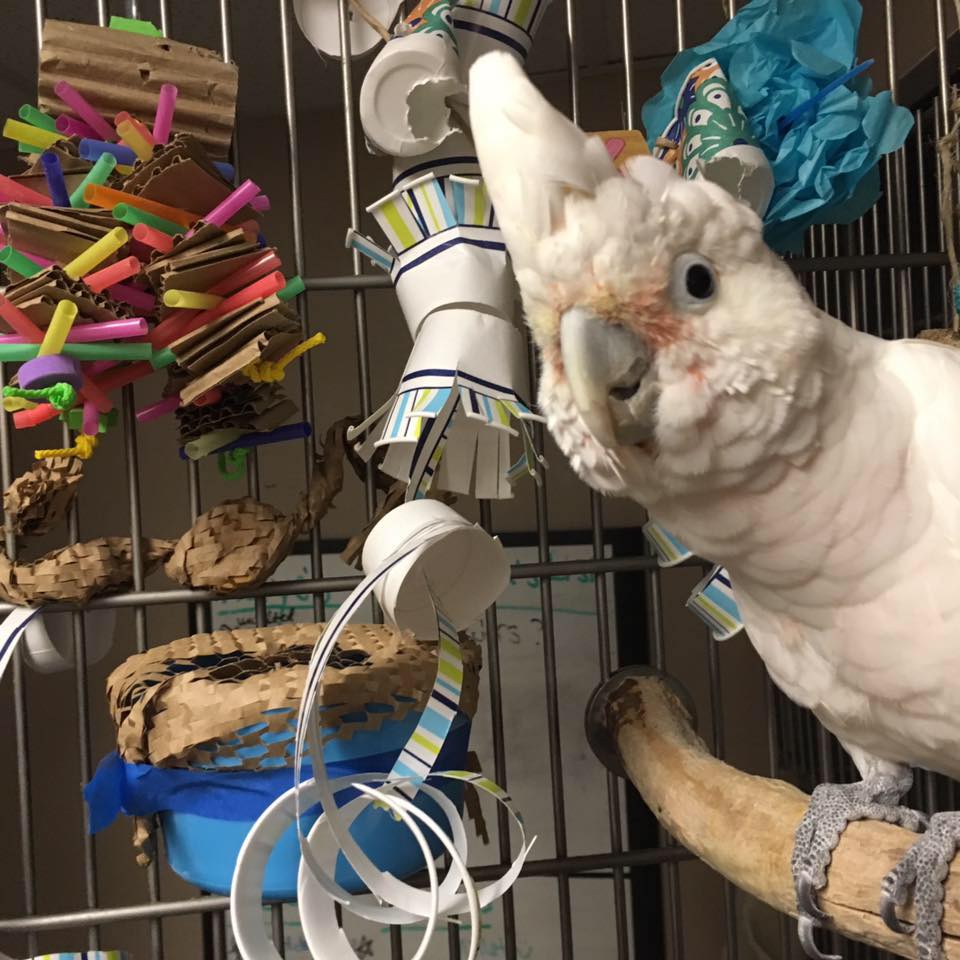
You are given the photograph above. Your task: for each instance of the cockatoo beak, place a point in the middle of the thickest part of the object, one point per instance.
(605, 366)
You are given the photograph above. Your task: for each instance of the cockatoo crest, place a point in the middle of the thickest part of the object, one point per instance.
(678, 353)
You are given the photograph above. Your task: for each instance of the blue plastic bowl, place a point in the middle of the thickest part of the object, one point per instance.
(203, 850)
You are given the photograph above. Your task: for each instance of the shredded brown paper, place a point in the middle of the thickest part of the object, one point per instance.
(39, 498)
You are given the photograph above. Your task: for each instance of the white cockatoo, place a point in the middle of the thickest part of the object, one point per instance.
(684, 366)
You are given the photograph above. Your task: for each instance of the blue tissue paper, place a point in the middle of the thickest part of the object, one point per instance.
(777, 54)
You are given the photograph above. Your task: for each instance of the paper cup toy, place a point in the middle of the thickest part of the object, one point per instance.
(459, 400)
(710, 137)
(48, 644)
(403, 100)
(319, 22)
(465, 571)
(484, 25)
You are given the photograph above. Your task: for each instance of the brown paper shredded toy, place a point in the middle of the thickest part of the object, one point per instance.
(77, 573)
(949, 338)
(41, 497)
(203, 701)
(116, 70)
(244, 407)
(238, 544)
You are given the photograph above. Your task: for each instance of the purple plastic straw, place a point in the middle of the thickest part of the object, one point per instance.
(80, 106)
(73, 127)
(260, 203)
(94, 332)
(163, 119)
(237, 200)
(158, 409)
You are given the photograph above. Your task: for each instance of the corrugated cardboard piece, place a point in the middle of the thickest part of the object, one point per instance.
(116, 70)
(39, 498)
(77, 573)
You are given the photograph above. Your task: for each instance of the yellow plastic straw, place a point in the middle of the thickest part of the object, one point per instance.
(96, 253)
(56, 335)
(32, 136)
(133, 139)
(188, 300)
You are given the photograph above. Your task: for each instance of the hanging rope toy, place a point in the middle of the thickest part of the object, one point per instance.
(83, 448)
(62, 396)
(266, 371)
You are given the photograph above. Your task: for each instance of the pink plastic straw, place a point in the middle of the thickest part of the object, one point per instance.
(80, 106)
(138, 299)
(252, 271)
(113, 274)
(260, 203)
(73, 127)
(93, 332)
(237, 200)
(152, 237)
(43, 261)
(91, 419)
(158, 409)
(17, 320)
(13, 192)
(163, 119)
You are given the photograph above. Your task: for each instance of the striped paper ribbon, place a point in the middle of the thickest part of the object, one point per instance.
(714, 603)
(669, 550)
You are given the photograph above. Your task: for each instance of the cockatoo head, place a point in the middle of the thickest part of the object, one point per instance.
(678, 353)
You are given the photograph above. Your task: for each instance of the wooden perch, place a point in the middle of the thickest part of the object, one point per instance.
(743, 825)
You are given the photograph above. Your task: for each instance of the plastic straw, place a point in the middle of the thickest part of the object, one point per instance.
(33, 137)
(163, 120)
(72, 127)
(53, 171)
(133, 215)
(292, 431)
(90, 391)
(41, 413)
(110, 199)
(138, 299)
(260, 203)
(16, 261)
(208, 397)
(96, 253)
(134, 139)
(37, 118)
(189, 300)
(19, 352)
(158, 409)
(151, 237)
(93, 149)
(225, 169)
(82, 108)
(115, 273)
(55, 337)
(98, 174)
(74, 419)
(264, 264)
(11, 191)
(17, 320)
(91, 419)
(121, 376)
(94, 332)
(232, 204)
(293, 288)
(163, 358)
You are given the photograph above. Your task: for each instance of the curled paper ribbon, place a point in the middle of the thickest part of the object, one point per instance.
(445, 574)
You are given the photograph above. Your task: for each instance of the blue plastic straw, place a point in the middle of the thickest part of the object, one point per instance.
(225, 170)
(292, 431)
(54, 174)
(91, 150)
(786, 122)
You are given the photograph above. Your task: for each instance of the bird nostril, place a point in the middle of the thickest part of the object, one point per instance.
(625, 391)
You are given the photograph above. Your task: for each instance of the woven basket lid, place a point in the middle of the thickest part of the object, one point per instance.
(229, 699)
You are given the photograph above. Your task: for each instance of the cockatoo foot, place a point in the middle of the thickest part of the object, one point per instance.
(923, 871)
(832, 807)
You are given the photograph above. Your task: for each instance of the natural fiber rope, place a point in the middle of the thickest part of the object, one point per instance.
(370, 19)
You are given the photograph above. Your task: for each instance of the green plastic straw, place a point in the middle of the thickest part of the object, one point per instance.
(18, 262)
(143, 27)
(80, 351)
(74, 419)
(293, 288)
(30, 114)
(27, 148)
(132, 215)
(162, 358)
(98, 175)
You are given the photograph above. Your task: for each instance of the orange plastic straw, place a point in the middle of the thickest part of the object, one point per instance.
(152, 237)
(41, 413)
(259, 290)
(108, 198)
(115, 273)
(252, 271)
(19, 322)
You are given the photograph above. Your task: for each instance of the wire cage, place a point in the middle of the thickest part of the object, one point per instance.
(298, 134)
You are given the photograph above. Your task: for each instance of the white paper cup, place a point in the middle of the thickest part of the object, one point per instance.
(403, 99)
(465, 569)
(47, 643)
(319, 22)
(743, 171)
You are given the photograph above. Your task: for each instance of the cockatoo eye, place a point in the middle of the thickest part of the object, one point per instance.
(694, 281)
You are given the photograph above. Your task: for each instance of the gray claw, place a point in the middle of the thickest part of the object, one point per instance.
(805, 927)
(888, 911)
(807, 900)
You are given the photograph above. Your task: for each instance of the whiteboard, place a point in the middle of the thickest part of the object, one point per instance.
(522, 683)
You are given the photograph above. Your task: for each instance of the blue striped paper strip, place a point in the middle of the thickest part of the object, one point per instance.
(670, 551)
(367, 248)
(714, 603)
